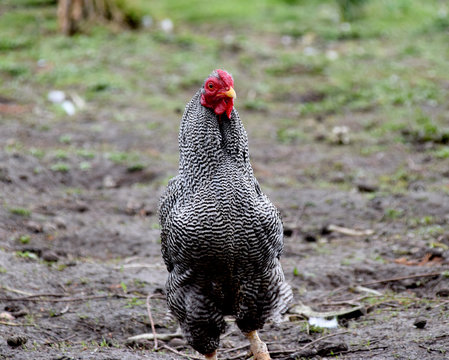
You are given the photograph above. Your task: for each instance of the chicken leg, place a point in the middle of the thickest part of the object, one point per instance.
(257, 346)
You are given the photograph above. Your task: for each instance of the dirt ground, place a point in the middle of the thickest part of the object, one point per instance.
(80, 248)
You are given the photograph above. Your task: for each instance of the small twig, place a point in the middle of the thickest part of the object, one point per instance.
(388, 302)
(56, 340)
(308, 344)
(355, 301)
(240, 355)
(7, 323)
(181, 353)
(67, 338)
(360, 288)
(163, 337)
(7, 288)
(234, 349)
(352, 302)
(131, 259)
(62, 312)
(302, 309)
(14, 324)
(365, 349)
(429, 349)
(441, 304)
(402, 278)
(137, 266)
(44, 295)
(150, 316)
(348, 231)
(90, 297)
(230, 332)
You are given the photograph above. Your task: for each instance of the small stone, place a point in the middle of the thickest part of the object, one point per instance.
(175, 342)
(4, 177)
(6, 316)
(420, 323)
(49, 227)
(338, 177)
(16, 310)
(50, 256)
(133, 207)
(443, 292)
(319, 136)
(63, 357)
(34, 226)
(109, 182)
(81, 206)
(16, 341)
(367, 187)
(60, 222)
(417, 186)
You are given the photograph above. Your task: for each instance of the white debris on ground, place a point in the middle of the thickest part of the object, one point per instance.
(56, 96)
(340, 135)
(167, 26)
(70, 104)
(323, 323)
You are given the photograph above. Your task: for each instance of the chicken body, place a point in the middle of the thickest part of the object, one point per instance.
(221, 236)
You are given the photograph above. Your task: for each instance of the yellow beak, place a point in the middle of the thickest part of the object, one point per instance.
(230, 93)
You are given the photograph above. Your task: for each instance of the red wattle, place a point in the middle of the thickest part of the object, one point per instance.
(221, 106)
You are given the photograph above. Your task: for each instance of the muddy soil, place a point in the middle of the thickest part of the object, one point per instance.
(80, 248)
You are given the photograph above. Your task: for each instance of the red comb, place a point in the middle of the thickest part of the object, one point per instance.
(226, 77)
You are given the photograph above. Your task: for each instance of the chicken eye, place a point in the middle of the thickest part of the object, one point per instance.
(210, 85)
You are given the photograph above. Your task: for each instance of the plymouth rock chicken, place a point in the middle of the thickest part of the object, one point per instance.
(221, 236)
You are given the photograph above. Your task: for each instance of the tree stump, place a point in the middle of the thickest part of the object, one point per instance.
(71, 13)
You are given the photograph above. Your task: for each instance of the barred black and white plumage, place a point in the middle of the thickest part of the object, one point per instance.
(221, 236)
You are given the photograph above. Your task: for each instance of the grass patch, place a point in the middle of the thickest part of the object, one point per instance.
(442, 153)
(25, 239)
(20, 211)
(60, 167)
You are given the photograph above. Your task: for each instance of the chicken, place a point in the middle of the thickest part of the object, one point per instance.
(221, 237)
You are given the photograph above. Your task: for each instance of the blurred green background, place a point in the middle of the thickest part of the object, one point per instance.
(384, 61)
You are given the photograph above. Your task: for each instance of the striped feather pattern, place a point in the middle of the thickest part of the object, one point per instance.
(221, 236)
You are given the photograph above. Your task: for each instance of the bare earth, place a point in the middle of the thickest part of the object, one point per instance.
(76, 269)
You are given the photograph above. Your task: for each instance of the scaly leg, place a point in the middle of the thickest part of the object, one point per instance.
(211, 356)
(258, 347)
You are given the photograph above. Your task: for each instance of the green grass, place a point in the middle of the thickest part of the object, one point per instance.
(60, 167)
(387, 58)
(20, 211)
(25, 239)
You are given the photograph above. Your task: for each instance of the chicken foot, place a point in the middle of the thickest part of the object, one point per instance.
(257, 346)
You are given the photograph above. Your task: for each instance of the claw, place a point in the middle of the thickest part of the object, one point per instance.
(258, 347)
(262, 356)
